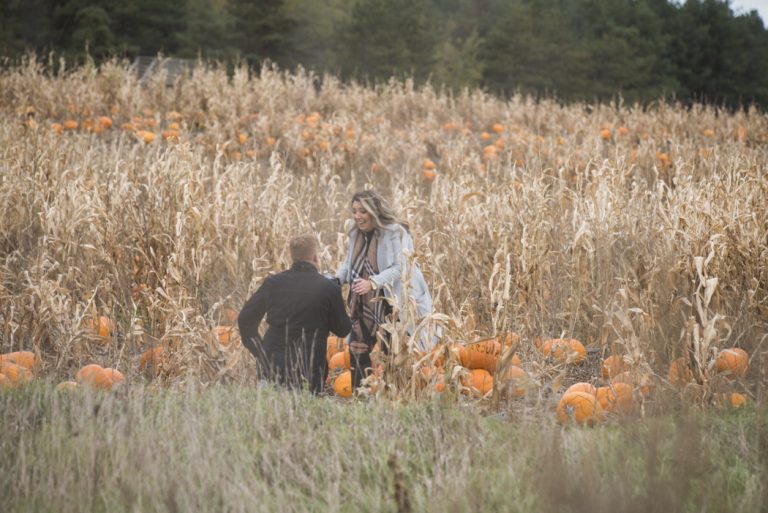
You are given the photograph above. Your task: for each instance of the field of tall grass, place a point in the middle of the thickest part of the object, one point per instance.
(641, 232)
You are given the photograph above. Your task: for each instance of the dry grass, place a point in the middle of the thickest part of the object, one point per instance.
(651, 243)
(232, 448)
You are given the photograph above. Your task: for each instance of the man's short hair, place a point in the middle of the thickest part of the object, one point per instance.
(303, 248)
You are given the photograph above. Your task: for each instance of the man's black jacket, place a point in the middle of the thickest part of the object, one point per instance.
(301, 308)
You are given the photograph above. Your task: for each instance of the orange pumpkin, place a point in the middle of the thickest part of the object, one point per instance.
(334, 345)
(679, 372)
(616, 398)
(152, 360)
(579, 407)
(513, 377)
(637, 379)
(735, 399)
(508, 339)
(480, 382)
(101, 326)
(342, 385)
(115, 376)
(732, 362)
(226, 334)
(612, 366)
(94, 375)
(26, 359)
(340, 360)
(435, 358)
(589, 388)
(480, 355)
(15, 373)
(564, 350)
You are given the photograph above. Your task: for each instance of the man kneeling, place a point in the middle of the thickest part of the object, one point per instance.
(301, 307)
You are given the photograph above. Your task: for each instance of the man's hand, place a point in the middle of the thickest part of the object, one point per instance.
(361, 286)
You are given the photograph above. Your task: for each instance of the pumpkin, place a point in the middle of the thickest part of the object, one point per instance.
(429, 164)
(152, 360)
(732, 362)
(679, 372)
(564, 350)
(340, 360)
(735, 400)
(498, 128)
(145, 136)
(342, 385)
(429, 174)
(512, 379)
(105, 122)
(70, 124)
(26, 359)
(225, 334)
(612, 366)
(436, 357)
(480, 355)
(94, 375)
(101, 326)
(480, 382)
(115, 376)
(589, 388)
(15, 373)
(636, 379)
(579, 407)
(605, 134)
(509, 339)
(334, 345)
(616, 398)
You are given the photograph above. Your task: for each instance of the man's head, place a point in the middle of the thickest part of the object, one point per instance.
(304, 249)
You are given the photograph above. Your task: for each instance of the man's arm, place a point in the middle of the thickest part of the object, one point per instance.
(339, 322)
(250, 318)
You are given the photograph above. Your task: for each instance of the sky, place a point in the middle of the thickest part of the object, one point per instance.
(761, 6)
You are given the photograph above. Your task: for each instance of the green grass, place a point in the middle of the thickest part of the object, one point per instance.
(242, 449)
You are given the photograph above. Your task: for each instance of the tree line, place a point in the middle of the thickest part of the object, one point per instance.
(575, 50)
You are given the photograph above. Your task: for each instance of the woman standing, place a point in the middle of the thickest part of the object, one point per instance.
(374, 266)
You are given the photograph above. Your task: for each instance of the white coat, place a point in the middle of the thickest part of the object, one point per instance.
(394, 241)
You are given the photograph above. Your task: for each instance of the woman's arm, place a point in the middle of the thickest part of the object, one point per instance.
(343, 273)
(400, 241)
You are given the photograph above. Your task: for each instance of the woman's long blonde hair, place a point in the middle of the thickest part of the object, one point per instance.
(379, 208)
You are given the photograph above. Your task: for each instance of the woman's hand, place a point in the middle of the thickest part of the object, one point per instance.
(361, 286)
(358, 347)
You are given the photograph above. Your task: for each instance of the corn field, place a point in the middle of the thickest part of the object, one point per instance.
(641, 232)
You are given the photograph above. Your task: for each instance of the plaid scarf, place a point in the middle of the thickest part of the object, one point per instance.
(366, 309)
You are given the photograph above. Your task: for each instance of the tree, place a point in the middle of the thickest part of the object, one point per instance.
(263, 30)
(385, 38)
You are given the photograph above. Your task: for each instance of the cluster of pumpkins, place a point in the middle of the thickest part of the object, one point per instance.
(474, 372)
(473, 369)
(20, 367)
(478, 364)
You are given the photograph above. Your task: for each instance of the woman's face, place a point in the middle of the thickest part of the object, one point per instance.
(363, 220)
